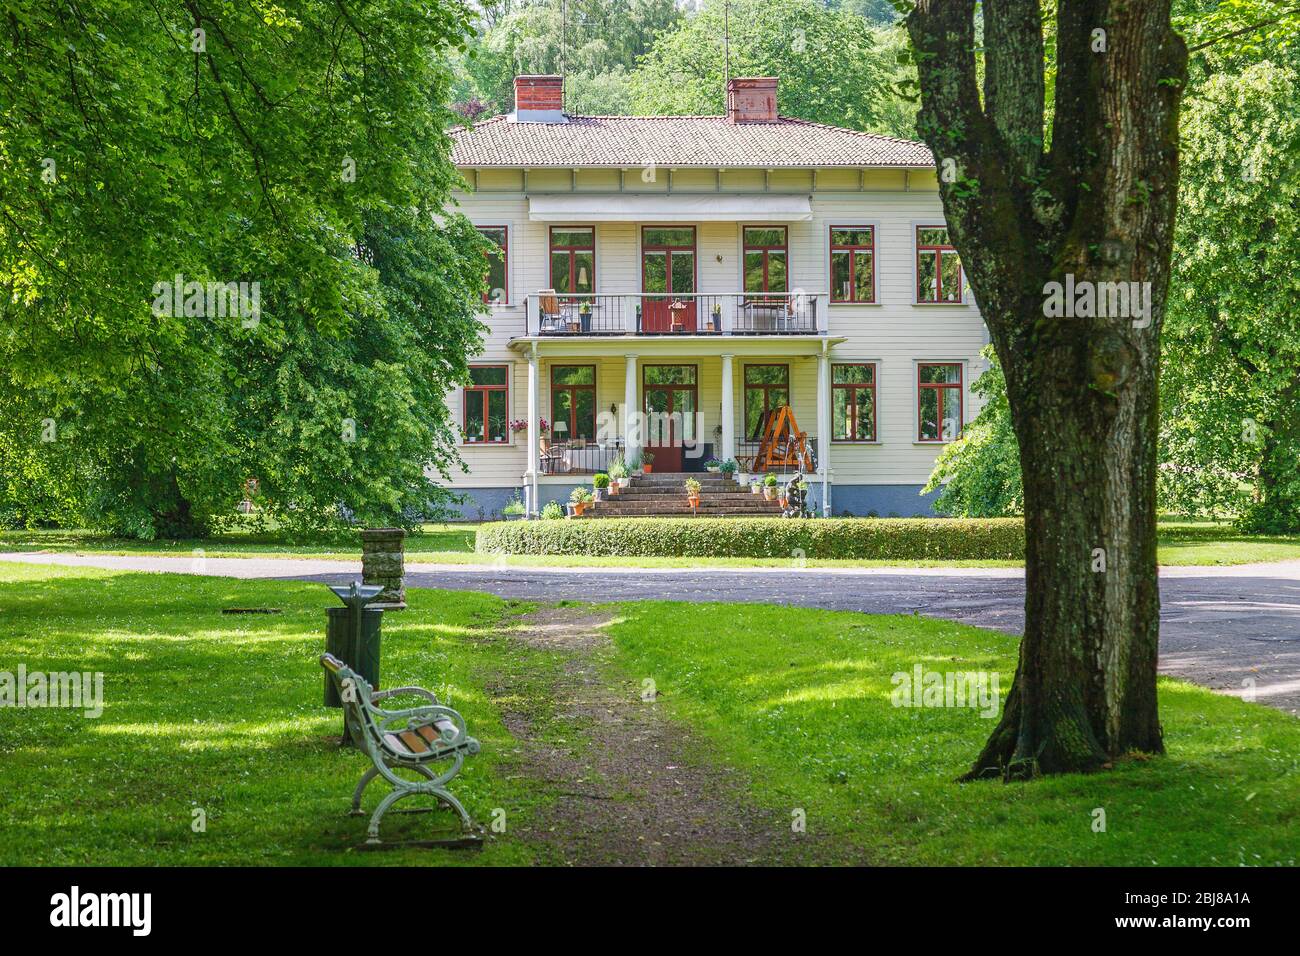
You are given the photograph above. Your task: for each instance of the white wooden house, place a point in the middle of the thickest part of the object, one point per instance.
(666, 281)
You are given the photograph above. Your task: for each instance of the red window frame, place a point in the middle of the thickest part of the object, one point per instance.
(571, 251)
(853, 388)
(766, 250)
(481, 393)
(505, 264)
(939, 250)
(573, 391)
(941, 388)
(853, 249)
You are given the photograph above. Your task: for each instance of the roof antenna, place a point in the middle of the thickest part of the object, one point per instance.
(726, 43)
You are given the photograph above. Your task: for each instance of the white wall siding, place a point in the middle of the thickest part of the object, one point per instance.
(894, 332)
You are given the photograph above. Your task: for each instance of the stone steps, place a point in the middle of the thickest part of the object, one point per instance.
(663, 494)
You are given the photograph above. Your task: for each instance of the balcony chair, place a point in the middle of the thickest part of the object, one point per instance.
(551, 317)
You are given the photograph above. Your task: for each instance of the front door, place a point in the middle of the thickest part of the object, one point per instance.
(667, 273)
(671, 402)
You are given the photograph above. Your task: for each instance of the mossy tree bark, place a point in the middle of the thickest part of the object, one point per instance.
(1098, 205)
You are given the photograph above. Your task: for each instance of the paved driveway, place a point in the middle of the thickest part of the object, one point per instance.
(1224, 628)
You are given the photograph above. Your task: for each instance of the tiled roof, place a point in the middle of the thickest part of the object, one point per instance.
(632, 141)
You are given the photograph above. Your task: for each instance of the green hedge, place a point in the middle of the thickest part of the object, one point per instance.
(901, 539)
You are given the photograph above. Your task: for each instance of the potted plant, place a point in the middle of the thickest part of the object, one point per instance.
(584, 315)
(715, 321)
(693, 493)
(599, 482)
(755, 487)
(729, 467)
(769, 487)
(713, 466)
(579, 498)
(635, 464)
(618, 476)
(514, 509)
(647, 461)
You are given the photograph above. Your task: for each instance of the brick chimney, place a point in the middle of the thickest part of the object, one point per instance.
(751, 99)
(539, 99)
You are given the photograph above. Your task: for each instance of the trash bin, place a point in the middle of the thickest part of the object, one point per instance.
(352, 634)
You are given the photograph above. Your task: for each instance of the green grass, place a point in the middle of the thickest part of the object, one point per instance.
(1181, 543)
(801, 700)
(224, 713)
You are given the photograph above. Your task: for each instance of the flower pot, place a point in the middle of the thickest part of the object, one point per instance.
(614, 487)
(647, 468)
(624, 482)
(713, 471)
(596, 493)
(693, 500)
(769, 493)
(755, 489)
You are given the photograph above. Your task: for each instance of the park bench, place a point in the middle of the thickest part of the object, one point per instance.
(417, 738)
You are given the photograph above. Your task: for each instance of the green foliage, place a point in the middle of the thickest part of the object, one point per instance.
(1231, 377)
(899, 539)
(552, 510)
(827, 59)
(604, 38)
(979, 473)
(600, 480)
(302, 151)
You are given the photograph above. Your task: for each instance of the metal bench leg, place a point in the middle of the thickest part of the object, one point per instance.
(366, 777)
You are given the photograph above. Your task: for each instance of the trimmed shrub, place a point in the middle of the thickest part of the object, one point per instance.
(890, 539)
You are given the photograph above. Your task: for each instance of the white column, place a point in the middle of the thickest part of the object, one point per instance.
(631, 413)
(534, 430)
(824, 426)
(728, 449)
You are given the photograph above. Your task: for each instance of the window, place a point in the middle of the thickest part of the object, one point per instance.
(498, 290)
(487, 404)
(853, 402)
(853, 264)
(938, 402)
(938, 270)
(573, 401)
(767, 388)
(766, 259)
(573, 260)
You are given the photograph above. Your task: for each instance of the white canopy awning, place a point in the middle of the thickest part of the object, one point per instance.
(675, 208)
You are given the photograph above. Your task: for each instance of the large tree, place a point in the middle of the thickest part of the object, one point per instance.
(1092, 206)
(826, 59)
(299, 146)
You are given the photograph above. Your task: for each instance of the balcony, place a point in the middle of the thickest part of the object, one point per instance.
(688, 314)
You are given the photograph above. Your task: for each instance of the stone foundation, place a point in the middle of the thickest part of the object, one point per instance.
(383, 562)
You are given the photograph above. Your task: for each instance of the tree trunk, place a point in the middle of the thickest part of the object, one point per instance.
(1095, 209)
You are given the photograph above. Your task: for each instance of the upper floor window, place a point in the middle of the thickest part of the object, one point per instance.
(938, 270)
(498, 290)
(766, 257)
(487, 404)
(938, 401)
(853, 264)
(573, 260)
(853, 402)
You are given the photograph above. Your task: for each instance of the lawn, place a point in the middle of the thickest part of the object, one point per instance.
(1181, 543)
(223, 713)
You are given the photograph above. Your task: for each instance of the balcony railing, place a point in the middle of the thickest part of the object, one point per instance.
(691, 313)
(577, 457)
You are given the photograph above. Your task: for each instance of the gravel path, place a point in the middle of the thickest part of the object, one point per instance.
(1226, 628)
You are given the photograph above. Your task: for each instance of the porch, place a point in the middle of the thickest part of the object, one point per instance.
(675, 403)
